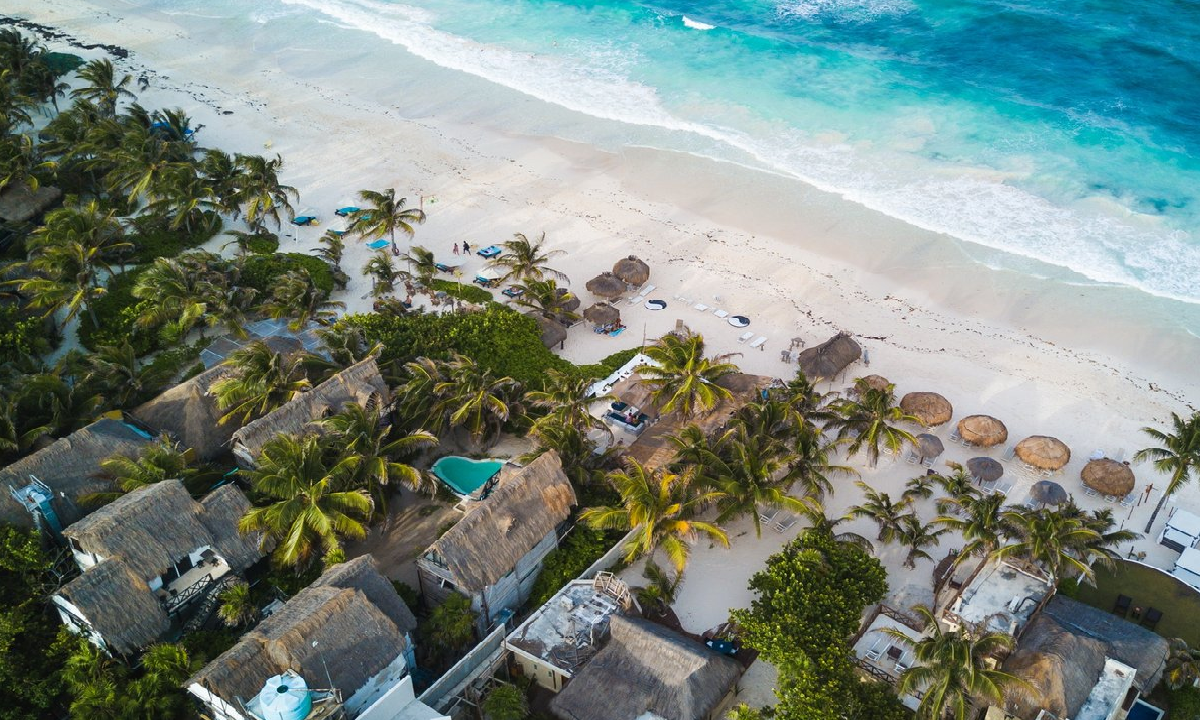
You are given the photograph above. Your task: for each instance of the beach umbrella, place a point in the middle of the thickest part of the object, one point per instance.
(632, 270)
(825, 361)
(875, 382)
(1045, 453)
(929, 446)
(602, 314)
(570, 305)
(553, 332)
(929, 407)
(985, 469)
(1108, 477)
(1048, 492)
(982, 430)
(606, 285)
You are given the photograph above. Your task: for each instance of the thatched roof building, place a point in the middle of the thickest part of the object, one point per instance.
(133, 540)
(1108, 476)
(602, 313)
(648, 671)
(188, 413)
(606, 285)
(1062, 655)
(653, 448)
(929, 407)
(70, 467)
(360, 383)
(1045, 453)
(21, 204)
(825, 361)
(633, 270)
(526, 506)
(358, 623)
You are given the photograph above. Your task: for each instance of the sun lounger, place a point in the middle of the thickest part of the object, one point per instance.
(304, 220)
(955, 437)
(1121, 606)
(874, 651)
(638, 300)
(759, 341)
(1010, 453)
(1089, 491)
(1119, 455)
(489, 252)
(1150, 621)
(512, 292)
(912, 458)
(1129, 499)
(647, 289)
(701, 307)
(767, 515)
(785, 523)
(344, 211)
(721, 313)
(616, 332)
(378, 244)
(1111, 498)
(1004, 488)
(745, 337)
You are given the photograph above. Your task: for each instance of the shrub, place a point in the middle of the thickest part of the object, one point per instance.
(21, 334)
(171, 362)
(584, 546)
(153, 238)
(117, 312)
(505, 702)
(261, 271)
(608, 365)
(204, 645)
(61, 63)
(264, 244)
(463, 291)
(408, 594)
(1185, 703)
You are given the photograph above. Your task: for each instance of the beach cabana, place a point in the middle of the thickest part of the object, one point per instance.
(985, 469)
(929, 446)
(602, 314)
(572, 303)
(1108, 477)
(632, 271)
(553, 332)
(982, 430)
(22, 204)
(825, 361)
(648, 671)
(874, 382)
(929, 407)
(1048, 492)
(606, 285)
(1042, 452)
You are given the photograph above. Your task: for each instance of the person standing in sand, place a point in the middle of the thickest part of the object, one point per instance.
(466, 248)
(455, 248)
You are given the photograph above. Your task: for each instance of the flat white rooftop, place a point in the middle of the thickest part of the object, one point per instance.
(1109, 691)
(1000, 598)
(571, 626)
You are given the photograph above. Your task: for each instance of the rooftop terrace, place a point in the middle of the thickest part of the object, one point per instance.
(1000, 598)
(570, 628)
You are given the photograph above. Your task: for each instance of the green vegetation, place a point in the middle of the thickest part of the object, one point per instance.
(505, 702)
(21, 334)
(584, 546)
(1149, 588)
(1184, 703)
(262, 272)
(463, 291)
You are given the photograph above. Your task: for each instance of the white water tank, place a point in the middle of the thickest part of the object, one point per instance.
(285, 697)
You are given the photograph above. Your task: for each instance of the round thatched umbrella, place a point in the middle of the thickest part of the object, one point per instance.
(1048, 492)
(632, 270)
(929, 446)
(1108, 477)
(606, 285)
(1043, 452)
(982, 430)
(875, 382)
(929, 407)
(571, 305)
(602, 314)
(553, 332)
(985, 469)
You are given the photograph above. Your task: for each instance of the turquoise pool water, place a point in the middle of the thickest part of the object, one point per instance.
(464, 475)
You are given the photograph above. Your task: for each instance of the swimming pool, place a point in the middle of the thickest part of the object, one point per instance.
(1142, 710)
(465, 476)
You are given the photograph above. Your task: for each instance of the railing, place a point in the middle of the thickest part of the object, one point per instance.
(190, 593)
(903, 618)
(875, 672)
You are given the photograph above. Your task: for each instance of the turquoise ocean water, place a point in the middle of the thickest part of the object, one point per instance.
(1066, 132)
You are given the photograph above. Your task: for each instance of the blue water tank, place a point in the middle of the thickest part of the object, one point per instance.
(285, 697)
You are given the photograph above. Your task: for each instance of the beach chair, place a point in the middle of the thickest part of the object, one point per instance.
(745, 337)
(1129, 499)
(874, 652)
(637, 299)
(344, 211)
(955, 437)
(927, 462)
(721, 313)
(648, 289)
(1111, 499)
(1089, 491)
(701, 307)
(1150, 621)
(785, 523)
(912, 458)
(767, 515)
(1119, 455)
(1004, 488)
(1009, 454)
(512, 292)
(989, 486)
(1121, 606)
(378, 244)
(1031, 504)
(759, 341)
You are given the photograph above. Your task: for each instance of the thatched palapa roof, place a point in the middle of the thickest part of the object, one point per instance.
(571, 304)
(119, 605)
(606, 285)
(553, 332)
(929, 446)
(1108, 477)
(70, 467)
(647, 671)
(929, 407)
(359, 383)
(982, 430)
(1062, 654)
(874, 382)
(825, 361)
(356, 637)
(487, 543)
(1043, 452)
(632, 270)
(20, 204)
(602, 314)
(189, 414)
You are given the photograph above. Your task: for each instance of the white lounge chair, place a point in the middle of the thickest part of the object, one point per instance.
(912, 458)
(955, 437)
(720, 313)
(927, 462)
(785, 523)
(767, 515)
(1004, 488)
(637, 300)
(759, 341)
(1089, 491)
(1129, 499)
(874, 651)
(745, 337)
(701, 307)
(1010, 453)
(647, 290)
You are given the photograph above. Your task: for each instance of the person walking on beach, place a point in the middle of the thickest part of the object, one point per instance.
(455, 248)
(466, 248)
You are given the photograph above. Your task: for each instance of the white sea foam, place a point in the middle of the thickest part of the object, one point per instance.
(695, 25)
(845, 10)
(968, 203)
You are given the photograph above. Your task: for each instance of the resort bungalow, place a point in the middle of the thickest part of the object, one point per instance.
(360, 383)
(188, 412)
(44, 489)
(1085, 664)
(1181, 532)
(147, 558)
(654, 449)
(348, 634)
(494, 553)
(647, 671)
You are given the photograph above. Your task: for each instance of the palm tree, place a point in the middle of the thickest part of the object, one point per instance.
(474, 399)
(661, 507)
(383, 270)
(185, 291)
(565, 399)
(70, 254)
(103, 88)
(880, 509)
(683, 379)
(820, 523)
(525, 259)
(1178, 456)
(417, 397)
(1050, 539)
(346, 345)
(383, 214)
(122, 377)
(307, 509)
(295, 296)
(580, 461)
(1183, 665)
(356, 433)
(260, 191)
(659, 593)
(1101, 549)
(811, 466)
(804, 397)
(421, 264)
(952, 669)
(159, 461)
(870, 421)
(144, 166)
(237, 605)
(155, 694)
(547, 299)
(262, 380)
(980, 519)
(916, 536)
